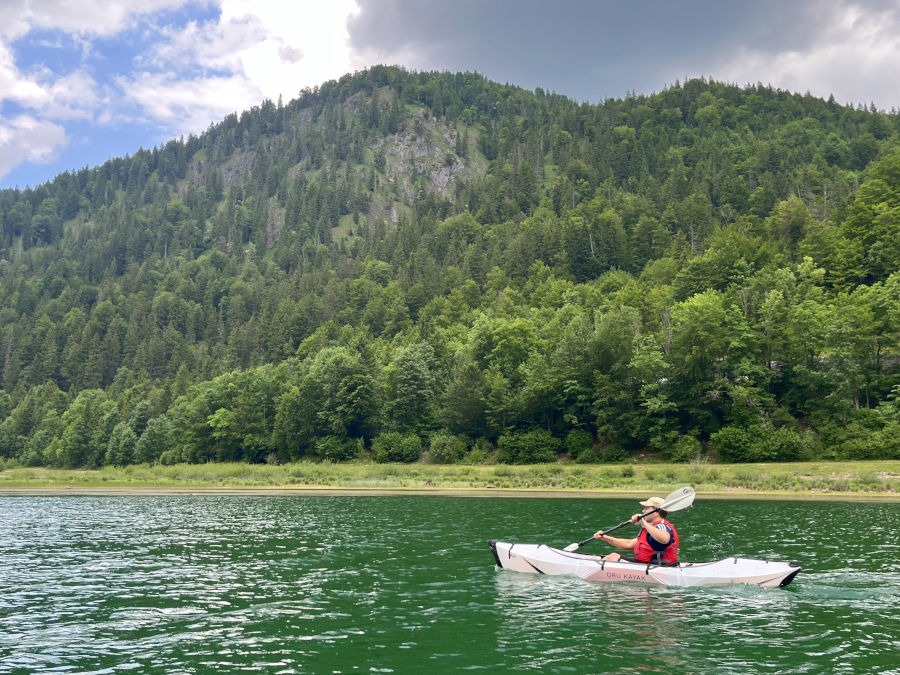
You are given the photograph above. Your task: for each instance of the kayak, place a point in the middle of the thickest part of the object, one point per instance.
(542, 559)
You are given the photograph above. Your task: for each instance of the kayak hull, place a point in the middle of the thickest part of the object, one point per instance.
(542, 559)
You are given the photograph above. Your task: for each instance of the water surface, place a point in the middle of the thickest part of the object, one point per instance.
(400, 584)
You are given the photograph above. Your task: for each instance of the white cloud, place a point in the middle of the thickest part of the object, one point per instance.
(46, 97)
(315, 30)
(13, 84)
(26, 139)
(186, 106)
(198, 73)
(256, 49)
(214, 45)
(72, 96)
(856, 56)
(43, 92)
(86, 17)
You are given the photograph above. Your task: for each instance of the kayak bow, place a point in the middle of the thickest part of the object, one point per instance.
(542, 559)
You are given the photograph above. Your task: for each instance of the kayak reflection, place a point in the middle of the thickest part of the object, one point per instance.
(549, 622)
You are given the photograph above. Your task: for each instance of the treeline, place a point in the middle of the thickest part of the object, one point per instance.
(706, 270)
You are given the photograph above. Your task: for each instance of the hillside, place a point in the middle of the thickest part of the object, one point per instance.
(400, 263)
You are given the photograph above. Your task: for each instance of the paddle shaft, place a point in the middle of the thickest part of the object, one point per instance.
(679, 499)
(620, 525)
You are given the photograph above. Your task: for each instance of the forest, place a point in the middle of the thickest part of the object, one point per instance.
(404, 266)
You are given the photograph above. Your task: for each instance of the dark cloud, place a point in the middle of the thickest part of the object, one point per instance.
(589, 49)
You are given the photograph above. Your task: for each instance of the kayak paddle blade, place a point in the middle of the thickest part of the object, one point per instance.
(679, 499)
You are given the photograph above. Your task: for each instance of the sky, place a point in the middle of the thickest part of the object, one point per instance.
(85, 80)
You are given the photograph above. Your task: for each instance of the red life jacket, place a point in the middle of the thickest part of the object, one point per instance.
(644, 552)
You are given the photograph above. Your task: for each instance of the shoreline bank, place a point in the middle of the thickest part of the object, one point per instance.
(533, 493)
(834, 481)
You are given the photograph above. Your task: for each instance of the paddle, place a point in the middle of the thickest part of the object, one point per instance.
(677, 500)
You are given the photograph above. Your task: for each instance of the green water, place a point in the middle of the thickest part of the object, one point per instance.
(405, 584)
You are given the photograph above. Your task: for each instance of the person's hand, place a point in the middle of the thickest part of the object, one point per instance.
(599, 534)
(636, 517)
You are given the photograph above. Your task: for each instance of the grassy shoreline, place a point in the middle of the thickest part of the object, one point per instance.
(822, 480)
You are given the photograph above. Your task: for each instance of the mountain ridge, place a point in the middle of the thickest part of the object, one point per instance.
(414, 254)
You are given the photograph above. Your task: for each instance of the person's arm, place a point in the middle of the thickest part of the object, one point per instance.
(616, 541)
(659, 534)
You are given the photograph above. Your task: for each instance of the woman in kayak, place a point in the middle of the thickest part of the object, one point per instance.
(657, 541)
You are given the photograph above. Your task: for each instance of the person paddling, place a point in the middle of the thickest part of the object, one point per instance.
(657, 541)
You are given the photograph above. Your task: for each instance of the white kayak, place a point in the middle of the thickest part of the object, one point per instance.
(542, 559)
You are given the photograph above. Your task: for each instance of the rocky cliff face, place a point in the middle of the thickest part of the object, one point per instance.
(422, 156)
(419, 159)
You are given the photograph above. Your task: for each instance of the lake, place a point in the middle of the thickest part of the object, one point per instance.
(403, 584)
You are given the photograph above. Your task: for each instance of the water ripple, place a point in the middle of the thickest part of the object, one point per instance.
(297, 585)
